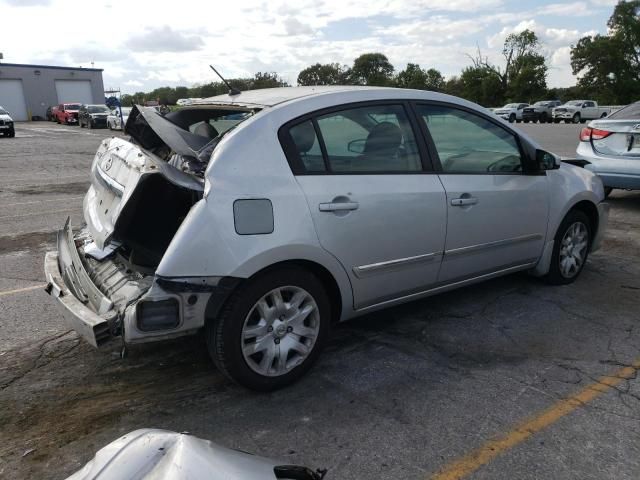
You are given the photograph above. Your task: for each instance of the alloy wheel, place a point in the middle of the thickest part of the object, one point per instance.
(280, 331)
(573, 249)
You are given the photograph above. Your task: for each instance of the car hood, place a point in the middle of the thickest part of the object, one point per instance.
(160, 454)
(6, 117)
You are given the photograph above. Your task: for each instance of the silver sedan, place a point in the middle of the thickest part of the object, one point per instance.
(610, 148)
(259, 219)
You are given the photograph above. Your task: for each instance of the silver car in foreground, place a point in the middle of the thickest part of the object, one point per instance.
(262, 218)
(610, 147)
(152, 454)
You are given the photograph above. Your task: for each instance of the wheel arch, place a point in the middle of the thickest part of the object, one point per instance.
(216, 302)
(591, 211)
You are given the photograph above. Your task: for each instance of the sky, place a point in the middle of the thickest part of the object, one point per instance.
(144, 44)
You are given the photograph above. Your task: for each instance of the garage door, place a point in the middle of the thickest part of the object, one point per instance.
(74, 91)
(12, 99)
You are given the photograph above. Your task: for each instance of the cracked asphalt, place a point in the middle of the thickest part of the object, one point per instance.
(399, 394)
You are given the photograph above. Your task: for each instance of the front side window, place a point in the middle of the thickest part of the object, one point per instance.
(373, 139)
(469, 143)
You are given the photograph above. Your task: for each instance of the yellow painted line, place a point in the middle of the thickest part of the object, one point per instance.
(20, 290)
(468, 464)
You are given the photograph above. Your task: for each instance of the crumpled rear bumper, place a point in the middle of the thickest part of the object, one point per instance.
(88, 311)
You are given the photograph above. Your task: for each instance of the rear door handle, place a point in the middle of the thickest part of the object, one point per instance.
(462, 201)
(338, 206)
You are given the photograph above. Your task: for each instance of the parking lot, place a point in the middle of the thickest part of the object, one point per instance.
(507, 379)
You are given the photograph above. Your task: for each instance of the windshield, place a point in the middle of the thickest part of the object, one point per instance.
(630, 112)
(574, 102)
(98, 109)
(3, 112)
(72, 106)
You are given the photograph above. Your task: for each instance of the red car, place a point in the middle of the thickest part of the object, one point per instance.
(67, 113)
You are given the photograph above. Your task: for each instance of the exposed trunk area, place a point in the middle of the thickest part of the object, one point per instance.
(151, 218)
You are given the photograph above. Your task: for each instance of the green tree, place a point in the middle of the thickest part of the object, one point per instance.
(523, 77)
(371, 69)
(415, 77)
(609, 65)
(265, 80)
(319, 74)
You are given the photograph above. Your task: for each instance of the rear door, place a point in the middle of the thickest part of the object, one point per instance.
(375, 203)
(497, 212)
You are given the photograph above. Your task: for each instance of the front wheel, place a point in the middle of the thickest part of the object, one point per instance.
(576, 118)
(271, 331)
(570, 248)
(512, 118)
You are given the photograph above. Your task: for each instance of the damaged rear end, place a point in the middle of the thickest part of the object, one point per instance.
(141, 191)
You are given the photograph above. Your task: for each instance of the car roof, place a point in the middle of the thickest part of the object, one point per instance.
(269, 97)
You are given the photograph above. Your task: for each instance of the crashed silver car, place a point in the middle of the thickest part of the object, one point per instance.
(152, 454)
(263, 217)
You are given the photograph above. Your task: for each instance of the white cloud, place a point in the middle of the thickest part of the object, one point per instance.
(142, 47)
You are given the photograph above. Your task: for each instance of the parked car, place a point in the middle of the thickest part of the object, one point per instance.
(541, 111)
(7, 129)
(153, 454)
(67, 113)
(610, 148)
(114, 121)
(512, 112)
(319, 205)
(579, 111)
(54, 113)
(93, 116)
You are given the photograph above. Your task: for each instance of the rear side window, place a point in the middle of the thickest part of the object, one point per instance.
(367, 139)
(469, 143)
(307, 146)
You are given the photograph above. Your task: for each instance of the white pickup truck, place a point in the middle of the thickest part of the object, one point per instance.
(579, 111)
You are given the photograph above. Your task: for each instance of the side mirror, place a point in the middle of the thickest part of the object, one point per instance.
(547, 161)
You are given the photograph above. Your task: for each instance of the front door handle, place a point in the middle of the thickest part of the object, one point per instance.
(462, 201)
(338, 206)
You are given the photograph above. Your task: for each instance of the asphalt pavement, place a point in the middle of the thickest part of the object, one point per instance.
(506, 379)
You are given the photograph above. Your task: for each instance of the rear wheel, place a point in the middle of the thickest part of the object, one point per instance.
(570, 249)
(271, 330)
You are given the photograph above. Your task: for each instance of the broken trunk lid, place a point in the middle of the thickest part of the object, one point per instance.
(119, 168)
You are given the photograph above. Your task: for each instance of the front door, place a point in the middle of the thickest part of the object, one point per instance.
(373, 205)
(497, 211)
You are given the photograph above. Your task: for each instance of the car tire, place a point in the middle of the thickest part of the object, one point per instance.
(576, 118)
(574, 231)
(240, 317)
(512, 118)
(556, 120)
(543, 118)
(526, 121)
